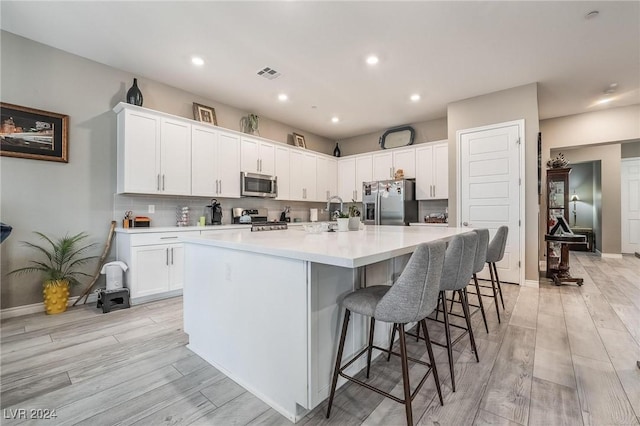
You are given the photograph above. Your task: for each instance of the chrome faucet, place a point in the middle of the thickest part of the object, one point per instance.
(334, 197)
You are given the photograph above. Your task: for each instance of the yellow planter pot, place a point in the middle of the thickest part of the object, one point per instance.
(56, 296)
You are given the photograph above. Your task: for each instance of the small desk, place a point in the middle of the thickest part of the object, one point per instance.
(591, 240)
(560, 271)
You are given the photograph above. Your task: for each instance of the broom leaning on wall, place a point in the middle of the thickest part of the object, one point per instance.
(107, 247)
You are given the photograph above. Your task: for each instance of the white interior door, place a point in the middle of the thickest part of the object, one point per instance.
(489, 187)
(630, 205)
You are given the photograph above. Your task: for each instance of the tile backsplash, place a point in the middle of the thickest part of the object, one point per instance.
(166, 208)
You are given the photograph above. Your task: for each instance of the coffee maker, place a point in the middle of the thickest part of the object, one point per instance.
(213, 213)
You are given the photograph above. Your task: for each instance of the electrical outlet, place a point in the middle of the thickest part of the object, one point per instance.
(152, 208)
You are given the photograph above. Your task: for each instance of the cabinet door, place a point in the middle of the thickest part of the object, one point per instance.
(228, 164)
(364, 173)
(424, 173)
(322, 178)
(267, 156)
(175, 160)
(309, 173)
(282, 172)
(441, 170)
(140, 141)
(176, 266)
(382, 166)
(346, 178)
(332, 179)
(249, 155)
(296, 184)
(204, 170)
(150, 267)
(406, 160)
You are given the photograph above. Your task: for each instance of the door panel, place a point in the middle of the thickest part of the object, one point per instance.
(489, 189)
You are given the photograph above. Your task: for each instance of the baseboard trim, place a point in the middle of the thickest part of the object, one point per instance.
(611, 255)
(18, 311)
(531, 283)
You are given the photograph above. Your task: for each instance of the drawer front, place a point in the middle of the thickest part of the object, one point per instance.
(147, 239)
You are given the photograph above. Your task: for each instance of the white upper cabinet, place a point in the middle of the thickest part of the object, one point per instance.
(352, 172)
(154, 153)
(387, 163)
(283, 172)
(258, 156)
(327, 178)
(302, 167)
(215, 162)
(432, 171)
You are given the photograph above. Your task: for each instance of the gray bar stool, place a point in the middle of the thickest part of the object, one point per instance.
(495, 253)
(478, 265)
(457, 272)
(411, 298)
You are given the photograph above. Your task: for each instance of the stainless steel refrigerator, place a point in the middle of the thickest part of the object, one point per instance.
(389, 202)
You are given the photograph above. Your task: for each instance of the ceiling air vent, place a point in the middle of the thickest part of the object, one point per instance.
(269, 73)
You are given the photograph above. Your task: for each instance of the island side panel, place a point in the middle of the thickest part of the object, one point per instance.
(246, 314)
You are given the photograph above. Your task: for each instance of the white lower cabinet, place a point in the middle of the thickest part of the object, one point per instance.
(155, 261)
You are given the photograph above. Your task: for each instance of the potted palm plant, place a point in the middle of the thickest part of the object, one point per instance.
(60, 260)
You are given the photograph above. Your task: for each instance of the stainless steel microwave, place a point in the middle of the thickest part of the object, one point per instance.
(257, 185)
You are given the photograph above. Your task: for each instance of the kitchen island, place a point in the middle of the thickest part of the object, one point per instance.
(263, 307)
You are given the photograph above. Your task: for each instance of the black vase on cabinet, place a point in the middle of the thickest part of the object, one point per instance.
(336, 151)
(134, 95)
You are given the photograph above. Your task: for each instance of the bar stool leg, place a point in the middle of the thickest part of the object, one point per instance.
(418, 332)
(467, 317)
(336, 369)
(405, 376)
(498, 281)
(484, 317)
(432, 360)
(393, 336)
(447, 333)
(495, 295)
(371, 328)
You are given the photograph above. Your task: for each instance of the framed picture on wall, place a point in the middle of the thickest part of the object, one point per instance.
(298, 140)
(33, 133)
(204, 113)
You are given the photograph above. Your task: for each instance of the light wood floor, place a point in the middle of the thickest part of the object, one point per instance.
(562, 355)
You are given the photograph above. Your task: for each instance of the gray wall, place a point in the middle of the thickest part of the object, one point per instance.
(631, 150)
(607, 126)
(581, 184)
(57, 198)
(426, 131)
(507, 105)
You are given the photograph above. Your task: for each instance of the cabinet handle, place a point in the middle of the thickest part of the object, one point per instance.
(220, 186)
(257, 164)
(261, 164)
(355, 194)
(167, 259)
(172, 255)
(304, 193)
(158, 183)
(163, 182)
(168, 238)
(391, 172)
(217, 186)
(327, 195)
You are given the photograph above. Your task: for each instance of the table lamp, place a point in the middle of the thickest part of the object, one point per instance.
(574, 198)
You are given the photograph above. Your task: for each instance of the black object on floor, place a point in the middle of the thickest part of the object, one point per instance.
(5, 230)
(108, 299)
(637, 254)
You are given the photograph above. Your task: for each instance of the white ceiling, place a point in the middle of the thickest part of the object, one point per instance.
(445, 51)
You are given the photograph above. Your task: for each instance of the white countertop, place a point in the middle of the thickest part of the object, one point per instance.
(429, 224)
(349, 249)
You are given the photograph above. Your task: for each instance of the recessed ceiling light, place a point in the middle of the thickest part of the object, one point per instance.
(335, 119)
(196, 60)
(282, 97)
(372, 60)
(611, 89)
(604, 101)
(415, 97)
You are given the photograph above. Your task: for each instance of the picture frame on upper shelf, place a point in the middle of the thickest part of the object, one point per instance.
(33, 133)
(204, 114)
(298, 140)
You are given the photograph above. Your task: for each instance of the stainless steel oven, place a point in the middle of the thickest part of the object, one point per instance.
(258, 185)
